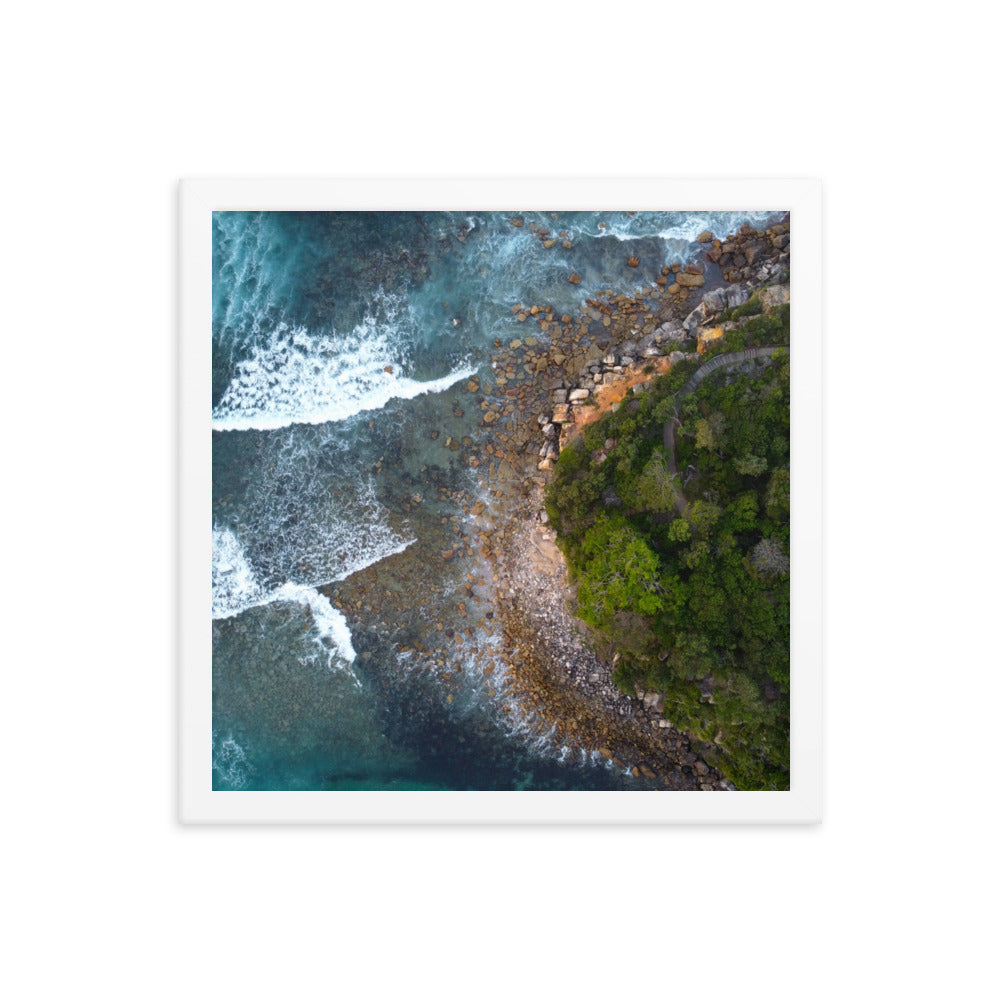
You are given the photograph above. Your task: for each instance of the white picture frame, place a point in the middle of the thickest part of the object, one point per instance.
(198, 803)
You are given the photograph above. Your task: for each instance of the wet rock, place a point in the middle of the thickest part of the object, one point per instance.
(633, 261)
(517, 223)
(688, 280)
(705, 237)
(575, 279)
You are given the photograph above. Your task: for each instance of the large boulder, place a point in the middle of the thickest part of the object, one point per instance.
(710, 306)
(774, 295)
(670, 332)
(736, 295)
(707, 337)
(686, 280)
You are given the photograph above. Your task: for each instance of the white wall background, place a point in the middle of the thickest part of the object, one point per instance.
(106, 106)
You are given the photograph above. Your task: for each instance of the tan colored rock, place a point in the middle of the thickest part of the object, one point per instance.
(705, 237)
(561, 414)
(579, 395)
(687, 280)
(575, 279)
(774, 295)
(633, 261)
(707, 337)
(674, 289)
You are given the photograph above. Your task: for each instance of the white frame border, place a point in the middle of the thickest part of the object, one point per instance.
(197, 803)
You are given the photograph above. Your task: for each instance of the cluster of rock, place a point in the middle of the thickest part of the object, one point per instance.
(752, 255)
(569, 687)
(544, 235)
(568, 396)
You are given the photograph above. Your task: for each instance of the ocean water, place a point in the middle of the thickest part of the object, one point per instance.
(346, 653)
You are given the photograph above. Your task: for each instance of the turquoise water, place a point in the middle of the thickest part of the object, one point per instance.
(339, 340)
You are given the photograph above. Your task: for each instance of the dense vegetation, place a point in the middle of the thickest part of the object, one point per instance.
(696, 605)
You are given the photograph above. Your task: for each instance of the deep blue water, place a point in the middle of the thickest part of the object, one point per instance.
(338, 340)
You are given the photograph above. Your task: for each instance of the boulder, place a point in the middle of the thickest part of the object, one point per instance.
(561, 414)
(688, 280)
(578, 395)
(707, 337)
(710, 306)
(775, 295)
(705, 237)
(670, 332)
(633, 261)
(575, 279)
(736, 295)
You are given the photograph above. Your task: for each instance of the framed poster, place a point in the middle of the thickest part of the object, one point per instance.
(500, 501)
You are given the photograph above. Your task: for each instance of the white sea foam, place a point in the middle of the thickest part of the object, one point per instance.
(234, 584)
(301, 377)
(229, 759)
(282, 386)
(235, 588)
(333, 634)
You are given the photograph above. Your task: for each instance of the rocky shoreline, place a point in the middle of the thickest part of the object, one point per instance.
(545, 389)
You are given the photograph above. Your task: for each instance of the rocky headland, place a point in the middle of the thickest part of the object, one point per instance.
(547, 386)
(511, 622)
